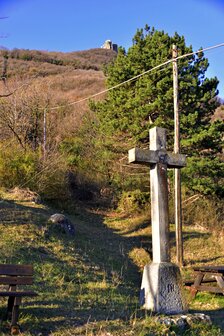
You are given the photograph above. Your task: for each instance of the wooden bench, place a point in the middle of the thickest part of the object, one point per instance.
(205, 276)
(14, 276)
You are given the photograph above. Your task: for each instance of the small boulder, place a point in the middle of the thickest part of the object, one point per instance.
(64, 223)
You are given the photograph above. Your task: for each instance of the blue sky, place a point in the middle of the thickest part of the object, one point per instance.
(72, 25)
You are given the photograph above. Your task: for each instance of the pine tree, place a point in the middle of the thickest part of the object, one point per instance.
(131, 109)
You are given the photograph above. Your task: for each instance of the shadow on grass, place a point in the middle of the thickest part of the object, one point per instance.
(14, 213)
(81, 278)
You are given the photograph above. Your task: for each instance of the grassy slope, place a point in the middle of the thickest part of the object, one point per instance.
(89, 285)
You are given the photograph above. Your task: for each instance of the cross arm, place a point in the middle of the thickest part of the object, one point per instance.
(149, 157)
(142, 156)
(176, 160)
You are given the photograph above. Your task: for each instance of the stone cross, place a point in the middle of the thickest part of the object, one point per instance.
(161, 290)
(158, 159)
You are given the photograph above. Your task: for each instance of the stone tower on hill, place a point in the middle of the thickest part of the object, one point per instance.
(109, 45)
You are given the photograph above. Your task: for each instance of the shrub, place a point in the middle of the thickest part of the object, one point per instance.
(206, 212)
(19, 168)
(16, 166)
(134, 201)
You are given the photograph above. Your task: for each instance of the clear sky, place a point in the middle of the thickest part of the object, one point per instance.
(71, 25)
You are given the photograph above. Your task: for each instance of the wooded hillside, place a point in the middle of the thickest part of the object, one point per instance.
(63, 142)
(34, 82)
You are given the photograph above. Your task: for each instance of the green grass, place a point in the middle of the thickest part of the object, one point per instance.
(89, 284)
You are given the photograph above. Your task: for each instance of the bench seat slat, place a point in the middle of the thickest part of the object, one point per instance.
(16, 269)
(212, 269)
(191, 281)
(18, 294)
(14, 280)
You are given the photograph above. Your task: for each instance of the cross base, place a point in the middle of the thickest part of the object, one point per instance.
(161, 289)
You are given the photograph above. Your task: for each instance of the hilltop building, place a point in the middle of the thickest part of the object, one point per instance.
(109, 45)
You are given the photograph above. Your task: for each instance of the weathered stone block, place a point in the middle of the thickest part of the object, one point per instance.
(161, 289)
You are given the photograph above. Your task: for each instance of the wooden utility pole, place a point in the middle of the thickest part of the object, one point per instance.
(177, 184)
(45, 134)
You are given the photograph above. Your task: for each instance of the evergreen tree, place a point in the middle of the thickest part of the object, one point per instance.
(131, 109)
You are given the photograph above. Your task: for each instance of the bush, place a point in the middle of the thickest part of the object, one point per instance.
(16, 166)
(19, 168)
(206, 212)
(134, 201)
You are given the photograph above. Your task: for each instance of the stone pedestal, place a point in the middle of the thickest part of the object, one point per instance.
(161, 289)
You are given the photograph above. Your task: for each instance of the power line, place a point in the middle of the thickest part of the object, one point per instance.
(137, 76)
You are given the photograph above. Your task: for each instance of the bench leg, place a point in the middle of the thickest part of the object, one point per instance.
(15, 311)
(220, 282)
(197, 282)
(11, 300)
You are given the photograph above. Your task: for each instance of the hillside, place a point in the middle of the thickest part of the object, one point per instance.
(69, 76)
(88, 285)
(94, 59)
(77, 73)
(53, 79)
